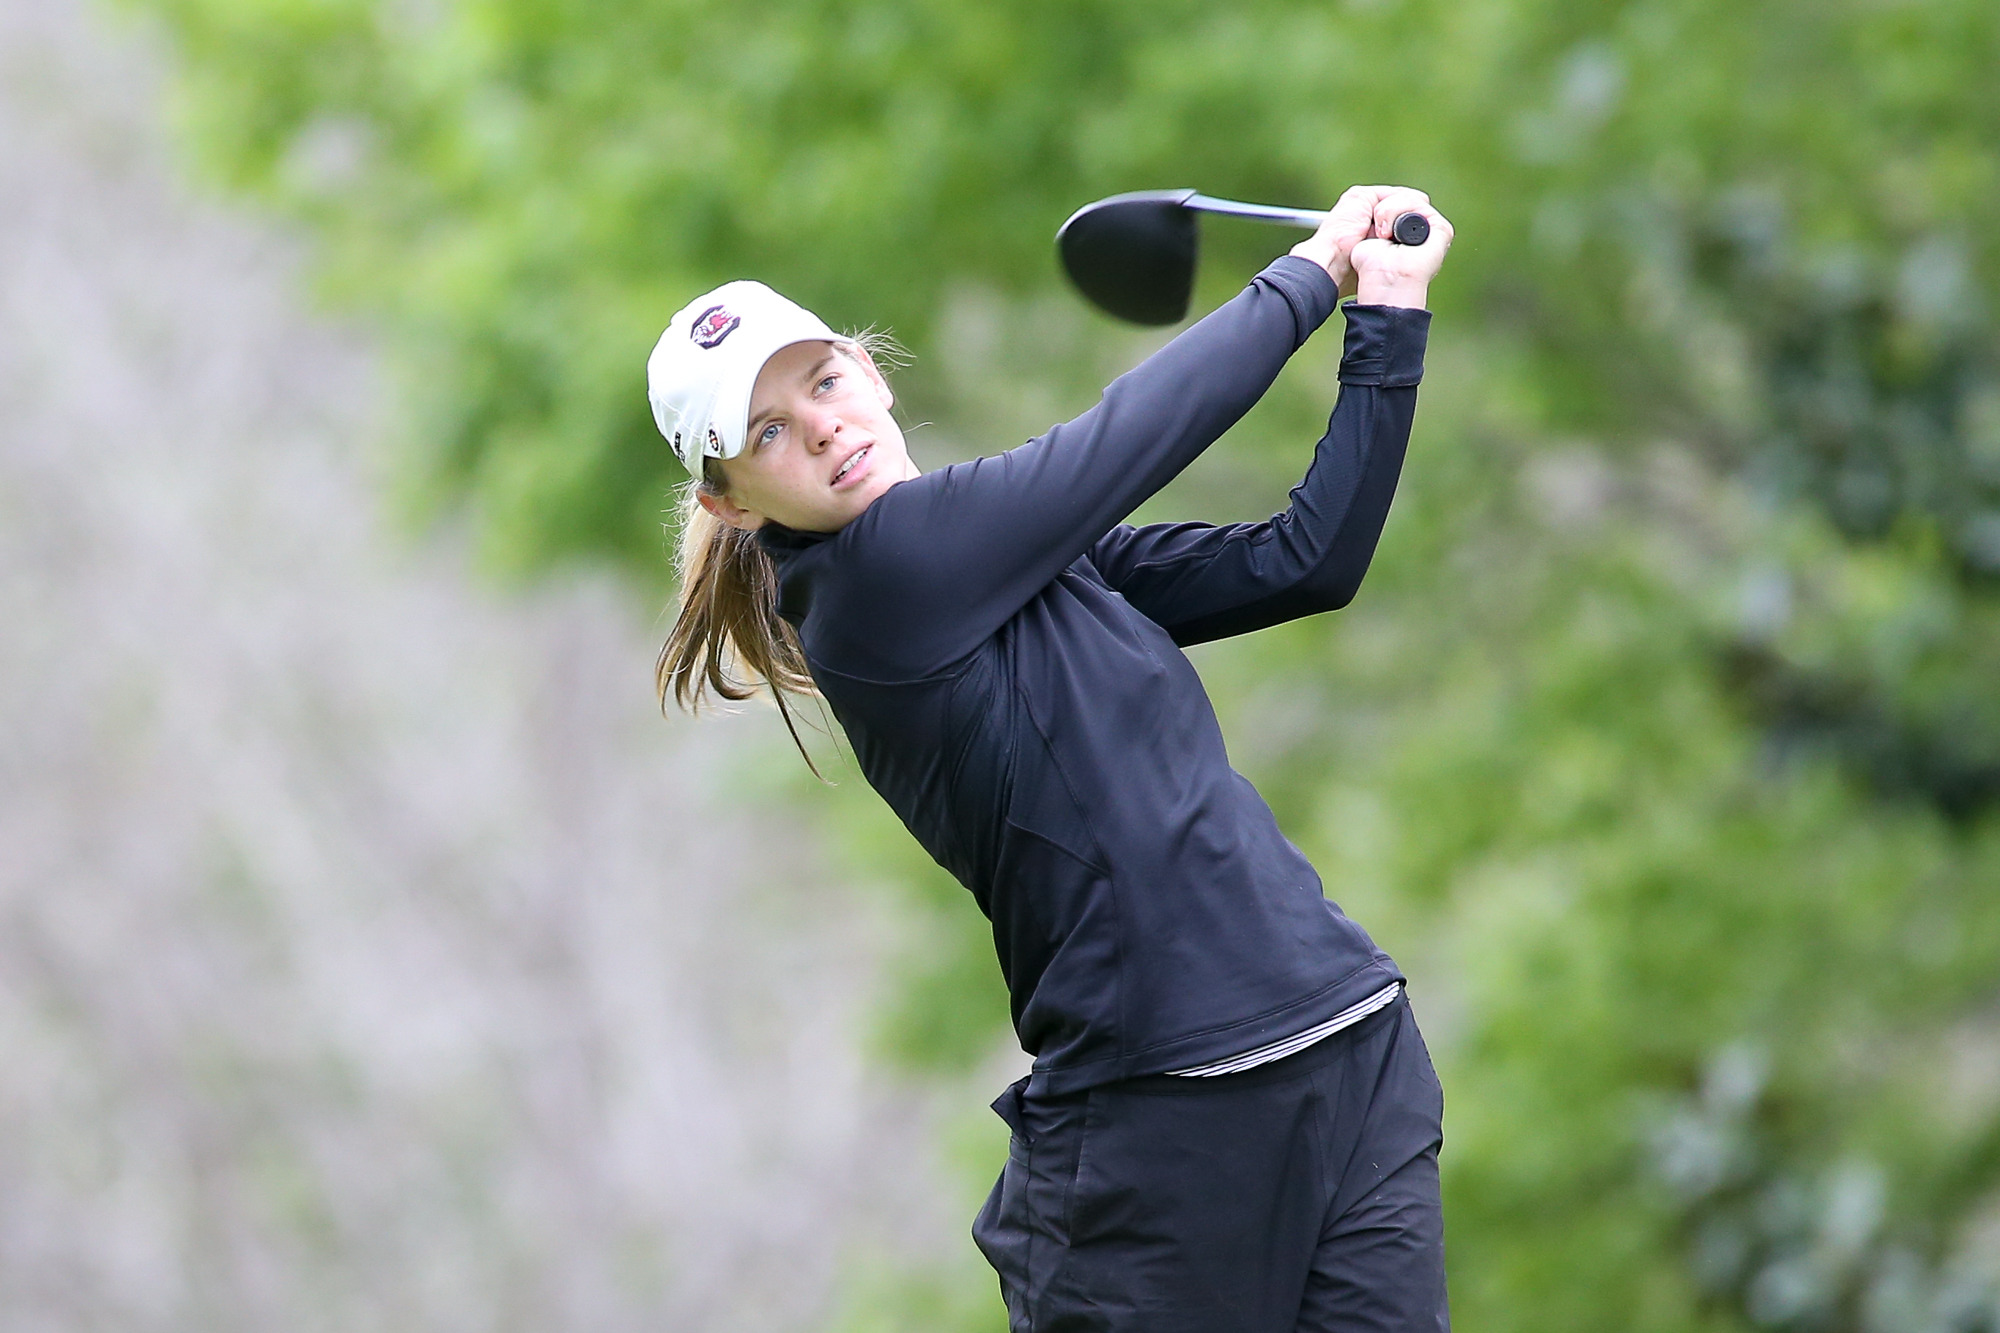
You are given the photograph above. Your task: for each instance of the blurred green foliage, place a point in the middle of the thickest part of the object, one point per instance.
(1663, 745)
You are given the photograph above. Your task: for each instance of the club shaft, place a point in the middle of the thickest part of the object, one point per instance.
(1259, 213)
(1416, 224)
(1287, 217)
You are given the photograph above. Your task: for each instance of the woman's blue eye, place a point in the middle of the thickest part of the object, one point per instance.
(830, 379)
(768, 434)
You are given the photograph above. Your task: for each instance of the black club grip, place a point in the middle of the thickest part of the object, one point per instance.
(1410, 229)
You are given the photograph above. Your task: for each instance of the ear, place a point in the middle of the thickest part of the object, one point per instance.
(726, 509)
(859, 355)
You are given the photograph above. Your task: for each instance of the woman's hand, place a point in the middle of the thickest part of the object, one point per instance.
(1350, 221)
(1386, 273)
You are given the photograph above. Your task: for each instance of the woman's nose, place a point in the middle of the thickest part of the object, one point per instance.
(821, 428)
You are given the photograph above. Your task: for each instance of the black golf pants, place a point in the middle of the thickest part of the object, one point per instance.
(1296, 1197)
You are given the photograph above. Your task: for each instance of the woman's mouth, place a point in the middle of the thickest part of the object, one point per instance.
(854, 461)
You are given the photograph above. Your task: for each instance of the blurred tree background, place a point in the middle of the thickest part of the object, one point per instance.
(1663, 745)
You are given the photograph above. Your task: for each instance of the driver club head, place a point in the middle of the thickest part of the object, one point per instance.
(1133, 255)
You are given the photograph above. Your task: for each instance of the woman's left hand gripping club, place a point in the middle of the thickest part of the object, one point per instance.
(1386, 273)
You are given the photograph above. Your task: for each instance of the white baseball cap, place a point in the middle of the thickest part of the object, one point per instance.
(702, 370)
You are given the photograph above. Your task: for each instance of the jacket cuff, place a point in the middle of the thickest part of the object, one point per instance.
(1308, 288)
(1385, 346)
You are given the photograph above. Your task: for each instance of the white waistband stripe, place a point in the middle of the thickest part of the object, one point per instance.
(1298, 1041)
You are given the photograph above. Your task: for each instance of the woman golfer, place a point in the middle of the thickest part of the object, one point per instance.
(1231, 1123)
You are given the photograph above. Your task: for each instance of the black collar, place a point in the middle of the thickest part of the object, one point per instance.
(780, 541)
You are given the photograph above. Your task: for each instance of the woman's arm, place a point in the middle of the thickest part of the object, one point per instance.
(940, 562)
(1201, 582)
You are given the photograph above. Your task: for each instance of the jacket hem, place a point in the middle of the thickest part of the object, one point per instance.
(1212, 1044)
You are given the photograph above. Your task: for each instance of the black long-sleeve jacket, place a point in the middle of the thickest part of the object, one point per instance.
(1004, 655)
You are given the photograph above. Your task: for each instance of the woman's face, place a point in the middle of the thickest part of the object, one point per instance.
(821, 445)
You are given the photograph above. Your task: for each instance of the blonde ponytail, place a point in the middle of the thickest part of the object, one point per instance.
(728, 622)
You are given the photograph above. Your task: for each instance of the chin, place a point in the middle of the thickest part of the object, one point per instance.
(877, 488)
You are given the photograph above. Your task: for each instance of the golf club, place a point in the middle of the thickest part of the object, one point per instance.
(1133, 255)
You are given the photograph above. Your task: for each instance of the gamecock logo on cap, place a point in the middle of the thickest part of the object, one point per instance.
(713, 325)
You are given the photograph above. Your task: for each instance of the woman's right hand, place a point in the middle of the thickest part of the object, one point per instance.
(1348, 222)
(1386, 273)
